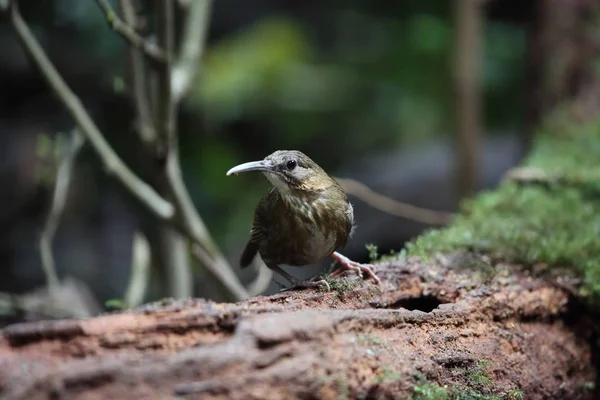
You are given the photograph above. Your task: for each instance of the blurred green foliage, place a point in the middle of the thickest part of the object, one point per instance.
(363, 76)
(379, 81)
(402, 66)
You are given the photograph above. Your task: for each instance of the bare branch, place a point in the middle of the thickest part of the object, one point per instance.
(174, 256)
(529, 175)
(538, 176)
(187, 214)
(392, 206)
(186, 219)
(166, 122)
(112, 163)
(262, 280)
(219, 268)
(193, 43)
(129, 34)
(140, 271)
(138, 79)
(59, 199)
(71, 298)
(176, 261)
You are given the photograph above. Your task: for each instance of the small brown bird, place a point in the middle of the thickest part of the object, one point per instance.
(305, 218)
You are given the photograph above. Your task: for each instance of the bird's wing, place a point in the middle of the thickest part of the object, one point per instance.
(257, 233)
(344, 225)
(249, 253)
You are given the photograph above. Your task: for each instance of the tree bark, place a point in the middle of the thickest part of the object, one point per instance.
(434, 321)
(563, 46)
(469, 33)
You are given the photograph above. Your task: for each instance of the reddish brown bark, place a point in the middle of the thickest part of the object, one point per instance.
(427, 321)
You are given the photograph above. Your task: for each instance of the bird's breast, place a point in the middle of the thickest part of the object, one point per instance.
(306, 232)
(319, 244)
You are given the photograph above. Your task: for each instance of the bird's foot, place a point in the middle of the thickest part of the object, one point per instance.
(347, 264)
(297, 283)
(307, 284)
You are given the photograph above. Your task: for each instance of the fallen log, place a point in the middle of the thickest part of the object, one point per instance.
(430, 329)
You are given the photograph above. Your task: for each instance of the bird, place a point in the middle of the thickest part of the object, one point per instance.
(303, 219)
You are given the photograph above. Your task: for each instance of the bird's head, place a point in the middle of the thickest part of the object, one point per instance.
(289, 171)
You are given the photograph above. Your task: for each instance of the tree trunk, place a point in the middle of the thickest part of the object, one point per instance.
(469, 31)
(563, 46)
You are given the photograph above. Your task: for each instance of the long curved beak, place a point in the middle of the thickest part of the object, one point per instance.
(263, 165)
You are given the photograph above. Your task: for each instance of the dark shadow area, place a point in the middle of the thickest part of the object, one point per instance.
(423, 303)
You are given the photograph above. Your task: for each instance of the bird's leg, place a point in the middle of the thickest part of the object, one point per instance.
(297, 283)
(347, 264)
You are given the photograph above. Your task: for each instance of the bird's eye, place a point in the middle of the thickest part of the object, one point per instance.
(291, 164)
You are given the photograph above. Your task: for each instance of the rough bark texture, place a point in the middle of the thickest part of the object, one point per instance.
(436, 321)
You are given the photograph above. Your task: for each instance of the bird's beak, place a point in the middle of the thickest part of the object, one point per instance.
(264, 165)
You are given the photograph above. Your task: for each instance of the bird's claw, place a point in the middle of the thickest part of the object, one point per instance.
(348, 265)
(307, 284)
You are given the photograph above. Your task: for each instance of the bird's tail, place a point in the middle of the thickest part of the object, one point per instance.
(248, 254)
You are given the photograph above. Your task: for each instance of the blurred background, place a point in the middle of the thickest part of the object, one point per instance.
(369, 90)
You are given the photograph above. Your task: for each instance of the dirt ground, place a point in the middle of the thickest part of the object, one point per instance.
(491, 333)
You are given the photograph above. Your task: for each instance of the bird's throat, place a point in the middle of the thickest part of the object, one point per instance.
(278, 182)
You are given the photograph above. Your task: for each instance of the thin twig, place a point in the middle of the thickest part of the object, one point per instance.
(262, 280)
(59, 199)
(219, 268)
(529, 175)
(166, 122)
(129, 34)
(192, 47)
(391, 206)
(69, 299)
(138, 80)
(176, 262)
(188, 221)
(208, 252)
(538, 176)
(140, 271)
(176, 259)
(187, 214)
(112, 163)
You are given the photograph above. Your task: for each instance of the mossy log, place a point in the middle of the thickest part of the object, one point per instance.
(431, 330)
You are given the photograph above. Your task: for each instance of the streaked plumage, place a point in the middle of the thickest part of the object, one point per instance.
(305, 218)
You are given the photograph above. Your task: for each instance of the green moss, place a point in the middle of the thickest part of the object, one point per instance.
(556, 222)
(115, 304)
(387, 375)
(468, 394)
(431, 391)
(372, 249)
(366, 339)
(338, 382)
(515, 394)
(478, 375)
(341, 285)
